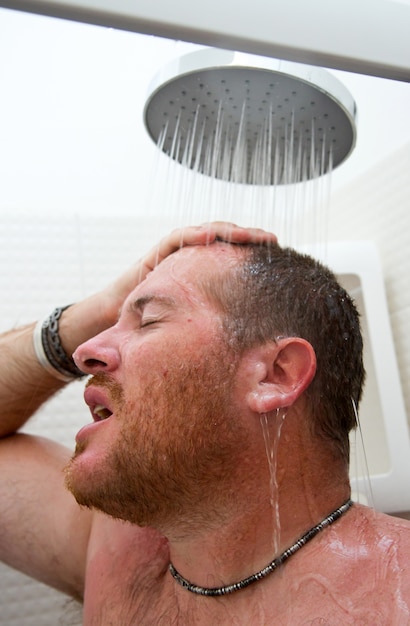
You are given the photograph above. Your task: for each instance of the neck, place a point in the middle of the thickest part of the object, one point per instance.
(247, 545)
(256, 531)
(271, 567)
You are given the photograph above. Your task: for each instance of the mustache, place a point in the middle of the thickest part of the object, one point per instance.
(102, 379)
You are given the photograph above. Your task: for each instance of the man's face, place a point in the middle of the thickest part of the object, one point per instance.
(166, 378)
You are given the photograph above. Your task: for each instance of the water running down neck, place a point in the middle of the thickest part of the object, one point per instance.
(271, 430)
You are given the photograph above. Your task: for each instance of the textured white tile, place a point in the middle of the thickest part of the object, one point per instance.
(377, 207)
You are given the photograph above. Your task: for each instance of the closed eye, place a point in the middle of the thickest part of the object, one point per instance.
(148, 322)
(151, 309)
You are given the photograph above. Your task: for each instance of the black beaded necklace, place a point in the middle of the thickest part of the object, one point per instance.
(222, 591)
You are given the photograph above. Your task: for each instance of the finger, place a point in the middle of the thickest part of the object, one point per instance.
(178, 238)
(232, 233)
(202, 235)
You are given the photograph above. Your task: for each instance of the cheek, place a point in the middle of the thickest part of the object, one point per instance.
(154, 359)
(143, 377)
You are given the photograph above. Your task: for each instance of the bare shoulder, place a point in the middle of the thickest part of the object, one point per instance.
(388, 525)
(383, 543)
(358, 568)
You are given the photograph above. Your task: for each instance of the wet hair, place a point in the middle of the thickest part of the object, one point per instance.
(278, 292)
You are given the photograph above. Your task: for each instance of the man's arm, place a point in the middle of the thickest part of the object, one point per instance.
(43, 531)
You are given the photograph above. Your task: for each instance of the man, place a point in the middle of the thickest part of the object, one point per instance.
(213, 481)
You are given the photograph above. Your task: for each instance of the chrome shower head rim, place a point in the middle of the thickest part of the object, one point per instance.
(291, 112)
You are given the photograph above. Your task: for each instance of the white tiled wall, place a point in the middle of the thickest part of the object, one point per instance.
(377, 207)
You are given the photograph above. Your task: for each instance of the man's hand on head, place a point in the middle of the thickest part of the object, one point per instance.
(114, 295)
(201, 235)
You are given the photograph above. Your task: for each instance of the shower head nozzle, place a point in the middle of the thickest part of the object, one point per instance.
(249, 119)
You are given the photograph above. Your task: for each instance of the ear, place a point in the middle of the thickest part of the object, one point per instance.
(279, 373)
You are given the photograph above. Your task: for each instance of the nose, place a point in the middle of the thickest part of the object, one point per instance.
(98, 354)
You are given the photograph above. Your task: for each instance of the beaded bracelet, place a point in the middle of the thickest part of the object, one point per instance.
(50, 352)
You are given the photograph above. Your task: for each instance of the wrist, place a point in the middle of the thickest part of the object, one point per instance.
(84, 320)
(49, 350)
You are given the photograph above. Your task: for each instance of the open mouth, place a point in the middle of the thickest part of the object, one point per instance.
(101, 413)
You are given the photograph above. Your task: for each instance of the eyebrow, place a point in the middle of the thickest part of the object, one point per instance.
(139, 304)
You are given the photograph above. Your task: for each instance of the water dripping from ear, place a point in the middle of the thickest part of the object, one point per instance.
(271, 429)
(361, 471)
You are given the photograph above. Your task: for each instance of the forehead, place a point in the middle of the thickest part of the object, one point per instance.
(186, 271)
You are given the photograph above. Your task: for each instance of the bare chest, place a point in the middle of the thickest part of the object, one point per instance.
(128, 584)
(151, 599)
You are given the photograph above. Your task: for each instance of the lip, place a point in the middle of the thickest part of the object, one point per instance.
(87, 431)
(96, 397)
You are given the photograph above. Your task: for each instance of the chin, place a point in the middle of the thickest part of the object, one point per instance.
(81, 474)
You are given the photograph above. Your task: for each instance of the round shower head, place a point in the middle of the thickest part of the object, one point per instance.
(249, 119)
